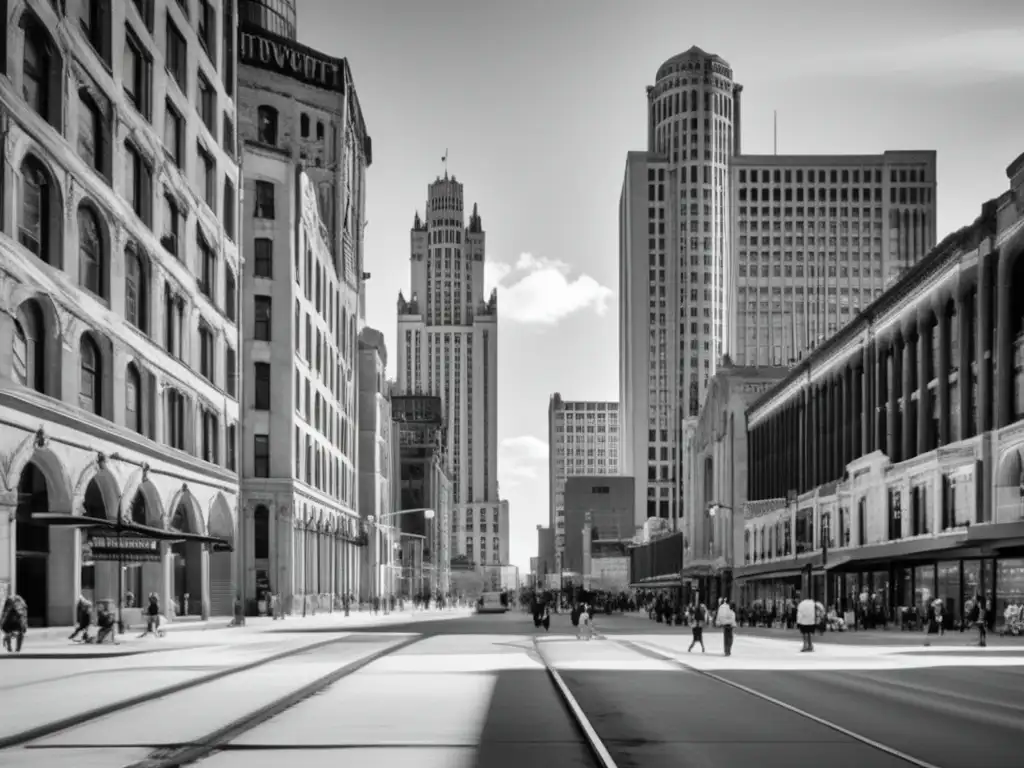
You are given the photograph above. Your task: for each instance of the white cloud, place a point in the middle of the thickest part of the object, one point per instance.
(521, 458)
(538, 291)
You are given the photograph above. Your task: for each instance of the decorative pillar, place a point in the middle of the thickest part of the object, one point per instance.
(909, 356)
(204, 581)
(895, 376)
(802, 442)
(8, 542)
(924, 375)
(1004, 346)
(983, 348)
(813, 437)
(880, 398)
(942, 370)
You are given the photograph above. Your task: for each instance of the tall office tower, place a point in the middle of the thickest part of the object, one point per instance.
(305, 153)
(816, 239)
(118, 305)
(583, 439)
(448, 347)
(673, 264)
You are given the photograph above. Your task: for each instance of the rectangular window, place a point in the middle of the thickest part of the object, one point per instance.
(145, 9)
(138, 184)
(261, 318)
(228, 214)
(173, 135)
(207, 268)
(207, 103)
(172, 226)
(261, 455)
(206, 365)
(210, 429)
(207, 30)
(230, 296)
(264, 208)
(261, 379)
(230, 363)
(177, 55)
(232, 450)
(228, 31)
(206, 172)
(263, 258)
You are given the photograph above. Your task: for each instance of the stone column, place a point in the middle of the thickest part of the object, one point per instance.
(965, 375)
(802, 441)
(924, 375)
(893, 417)
(1004, 346)
(909, 357)
(8, 542)
(983, 348)
(880, 398)
(204, 578)
(942, 370)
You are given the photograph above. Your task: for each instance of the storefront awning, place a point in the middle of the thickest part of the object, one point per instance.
(132, 528)
(997, 535)
(896, 550)
(658, 582)
(796, 565)
(790, 574)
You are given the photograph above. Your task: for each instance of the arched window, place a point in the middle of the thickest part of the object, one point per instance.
(90, 252)
(266, 125)
(34, 218)
(133, 398)
(29, 352)
(90, 395)
(135, 290)
(37, 69)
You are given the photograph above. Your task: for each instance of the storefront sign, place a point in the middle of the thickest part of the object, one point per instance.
(257, 48)
(124, 549)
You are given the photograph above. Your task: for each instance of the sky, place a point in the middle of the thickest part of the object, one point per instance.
(537, 104)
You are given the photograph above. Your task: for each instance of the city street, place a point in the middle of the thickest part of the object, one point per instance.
(473, 691)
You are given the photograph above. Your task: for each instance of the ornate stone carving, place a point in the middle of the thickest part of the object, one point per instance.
(284, 511)
(101, 461)
(66, 328)
(8, 285)
(42, 440)
(145, 473)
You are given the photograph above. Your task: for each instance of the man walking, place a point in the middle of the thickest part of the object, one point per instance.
(700, 615)
(726, 619)
(806, 620)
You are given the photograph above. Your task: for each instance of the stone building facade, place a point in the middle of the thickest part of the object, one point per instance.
(118, 303)
(890, 461)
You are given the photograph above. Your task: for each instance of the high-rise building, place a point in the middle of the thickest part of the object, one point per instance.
(818, 238)
(448, 347)
(673, 266)
(305, 154)
(583, 440)
(118, 306)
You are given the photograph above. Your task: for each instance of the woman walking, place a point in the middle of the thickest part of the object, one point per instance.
(14, 622)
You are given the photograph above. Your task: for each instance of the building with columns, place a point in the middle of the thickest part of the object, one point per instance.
(889, 462)
(716, 474)
(118, 306)
(305, 152)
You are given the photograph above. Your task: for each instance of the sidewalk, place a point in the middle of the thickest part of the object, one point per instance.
(893, 636)
(53, 643)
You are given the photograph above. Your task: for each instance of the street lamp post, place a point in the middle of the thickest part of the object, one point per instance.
(714, 508)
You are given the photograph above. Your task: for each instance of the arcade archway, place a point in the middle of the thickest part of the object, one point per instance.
(221, 526)
(187, 563)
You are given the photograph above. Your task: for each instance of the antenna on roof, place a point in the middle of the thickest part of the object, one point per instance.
(775, 131)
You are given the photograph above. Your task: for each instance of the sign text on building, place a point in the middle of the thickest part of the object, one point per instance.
(257, 48)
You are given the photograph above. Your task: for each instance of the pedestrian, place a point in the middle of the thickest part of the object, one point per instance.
(14, 622)
(977, 619)
(153, 617)
(583, 629)
(700, 616)
(83, 619)
(726, 619)
(806, 620)
(105, 621)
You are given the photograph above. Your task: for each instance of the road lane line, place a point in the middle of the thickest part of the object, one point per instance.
(655, 652)
(80, 718)
(593, 740)
(216, 740)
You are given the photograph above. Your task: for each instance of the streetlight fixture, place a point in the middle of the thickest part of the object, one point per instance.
(428, 514)
(713, 510)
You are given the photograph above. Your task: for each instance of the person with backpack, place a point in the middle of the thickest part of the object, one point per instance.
(726, 619)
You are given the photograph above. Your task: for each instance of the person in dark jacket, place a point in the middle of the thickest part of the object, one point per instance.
(14, 622)
(105, 621)
(153, 617)
(83, 617)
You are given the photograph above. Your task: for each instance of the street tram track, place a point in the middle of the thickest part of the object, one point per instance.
(29, 736)
(665, 656)
(597, 747)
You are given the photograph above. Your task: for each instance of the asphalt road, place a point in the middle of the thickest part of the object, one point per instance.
(473, 692)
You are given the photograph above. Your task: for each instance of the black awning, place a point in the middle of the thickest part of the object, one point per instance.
(897, 550)
(146, 531)
(785, 565)
(786, 574)
(658, 582)
(997, 535)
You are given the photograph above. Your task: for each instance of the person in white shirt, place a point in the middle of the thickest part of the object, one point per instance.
(584, 629)
(726, 619)
(806, 619)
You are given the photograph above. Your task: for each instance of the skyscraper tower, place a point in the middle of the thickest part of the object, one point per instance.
(673, 264)
(448, 347)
